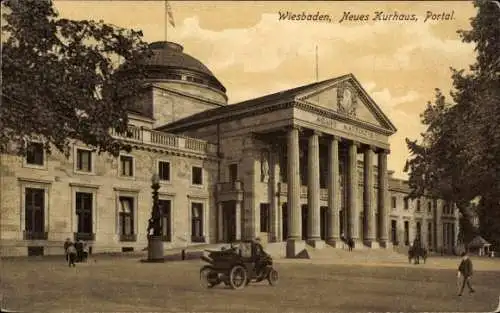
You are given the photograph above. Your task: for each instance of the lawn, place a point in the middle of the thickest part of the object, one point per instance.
(114, 284)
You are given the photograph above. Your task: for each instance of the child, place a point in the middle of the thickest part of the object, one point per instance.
(71, 255)
(465, 271)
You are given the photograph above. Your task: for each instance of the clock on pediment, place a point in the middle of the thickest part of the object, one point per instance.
(347, 100)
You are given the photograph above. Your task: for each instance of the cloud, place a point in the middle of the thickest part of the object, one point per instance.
(408, 125)
(269, 43)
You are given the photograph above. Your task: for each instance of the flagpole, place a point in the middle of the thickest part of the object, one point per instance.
(316, 63)
(166, 20)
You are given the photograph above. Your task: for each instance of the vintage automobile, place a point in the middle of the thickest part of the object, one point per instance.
(236, 266)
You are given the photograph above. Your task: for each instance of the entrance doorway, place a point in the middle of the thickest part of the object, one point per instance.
(305, 214)
(342, 224)
(229, 221)
(323, 222)
(284, 219)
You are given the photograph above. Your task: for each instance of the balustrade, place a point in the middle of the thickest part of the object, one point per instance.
(144, 135)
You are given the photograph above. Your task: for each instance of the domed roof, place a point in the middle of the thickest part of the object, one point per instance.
(168, 56)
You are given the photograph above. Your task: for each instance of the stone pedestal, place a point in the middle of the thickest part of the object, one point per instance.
(316, 243)
(155, 249)
(385, 244)
(358, 244)
(334, 243)
(294, 248)
(372, 244)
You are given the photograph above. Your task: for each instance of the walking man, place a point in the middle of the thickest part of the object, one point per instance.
(465, 272)
(71, 255)
(67, 243)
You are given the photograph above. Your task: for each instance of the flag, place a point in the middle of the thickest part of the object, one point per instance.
(170, 15)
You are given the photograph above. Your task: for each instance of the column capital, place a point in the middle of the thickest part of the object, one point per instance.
(383, 151)
(294, 126)
(355, 143)
(335, 138)
(316, 132)
(369, 148)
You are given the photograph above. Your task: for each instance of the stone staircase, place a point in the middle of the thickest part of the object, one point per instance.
(326, 254)
(362, 255)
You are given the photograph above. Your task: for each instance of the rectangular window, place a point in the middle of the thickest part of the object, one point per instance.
(393, 201)
(264, 217)
(164, 170)
(394, 232)
(419, 232)
(429, 207)
(406, 203)
(407, 233)
(126, 165)
(84, 213)
(166, 221)
(233, 172)
(126, 216)
(34, 218)
(35, 153)
(197, 222)
(418, 205)
(84, 160)
(197, 175)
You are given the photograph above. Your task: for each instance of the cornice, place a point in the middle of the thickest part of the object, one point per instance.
(231, 115)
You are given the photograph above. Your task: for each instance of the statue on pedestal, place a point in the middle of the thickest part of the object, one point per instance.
(264, 168)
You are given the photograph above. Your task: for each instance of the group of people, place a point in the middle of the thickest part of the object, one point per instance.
(75, 252)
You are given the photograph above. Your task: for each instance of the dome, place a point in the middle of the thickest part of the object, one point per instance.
(170, 62)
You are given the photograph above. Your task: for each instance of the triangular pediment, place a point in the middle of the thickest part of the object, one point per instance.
(347, 97)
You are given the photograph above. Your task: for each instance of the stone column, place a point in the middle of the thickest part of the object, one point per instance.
(352, 193)
(273, 195)
(370, 223)
(295, 245)
(313, 192)
(383, 193)
(237, 208)
(333, 228)
(220, 224)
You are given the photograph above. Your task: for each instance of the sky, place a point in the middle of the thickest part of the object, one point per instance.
(253, 53)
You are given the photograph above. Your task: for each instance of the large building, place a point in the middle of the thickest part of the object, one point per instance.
(306, 166)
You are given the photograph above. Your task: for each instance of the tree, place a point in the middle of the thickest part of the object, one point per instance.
(457, 159)
(61, 80)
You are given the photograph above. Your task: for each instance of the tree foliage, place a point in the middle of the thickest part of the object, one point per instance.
(60, 78)
(458, 157)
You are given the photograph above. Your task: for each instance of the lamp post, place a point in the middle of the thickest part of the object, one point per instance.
(155, 243)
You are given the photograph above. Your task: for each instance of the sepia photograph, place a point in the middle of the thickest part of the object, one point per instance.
(250, 156)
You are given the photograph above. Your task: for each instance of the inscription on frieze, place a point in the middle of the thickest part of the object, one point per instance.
(346, 127)
(326, 121)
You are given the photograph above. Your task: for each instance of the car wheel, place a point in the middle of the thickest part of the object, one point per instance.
(208, 277)
(273, 277)
(238, 277)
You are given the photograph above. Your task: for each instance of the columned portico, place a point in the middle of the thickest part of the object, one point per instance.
(313, 192)
(295, 245)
